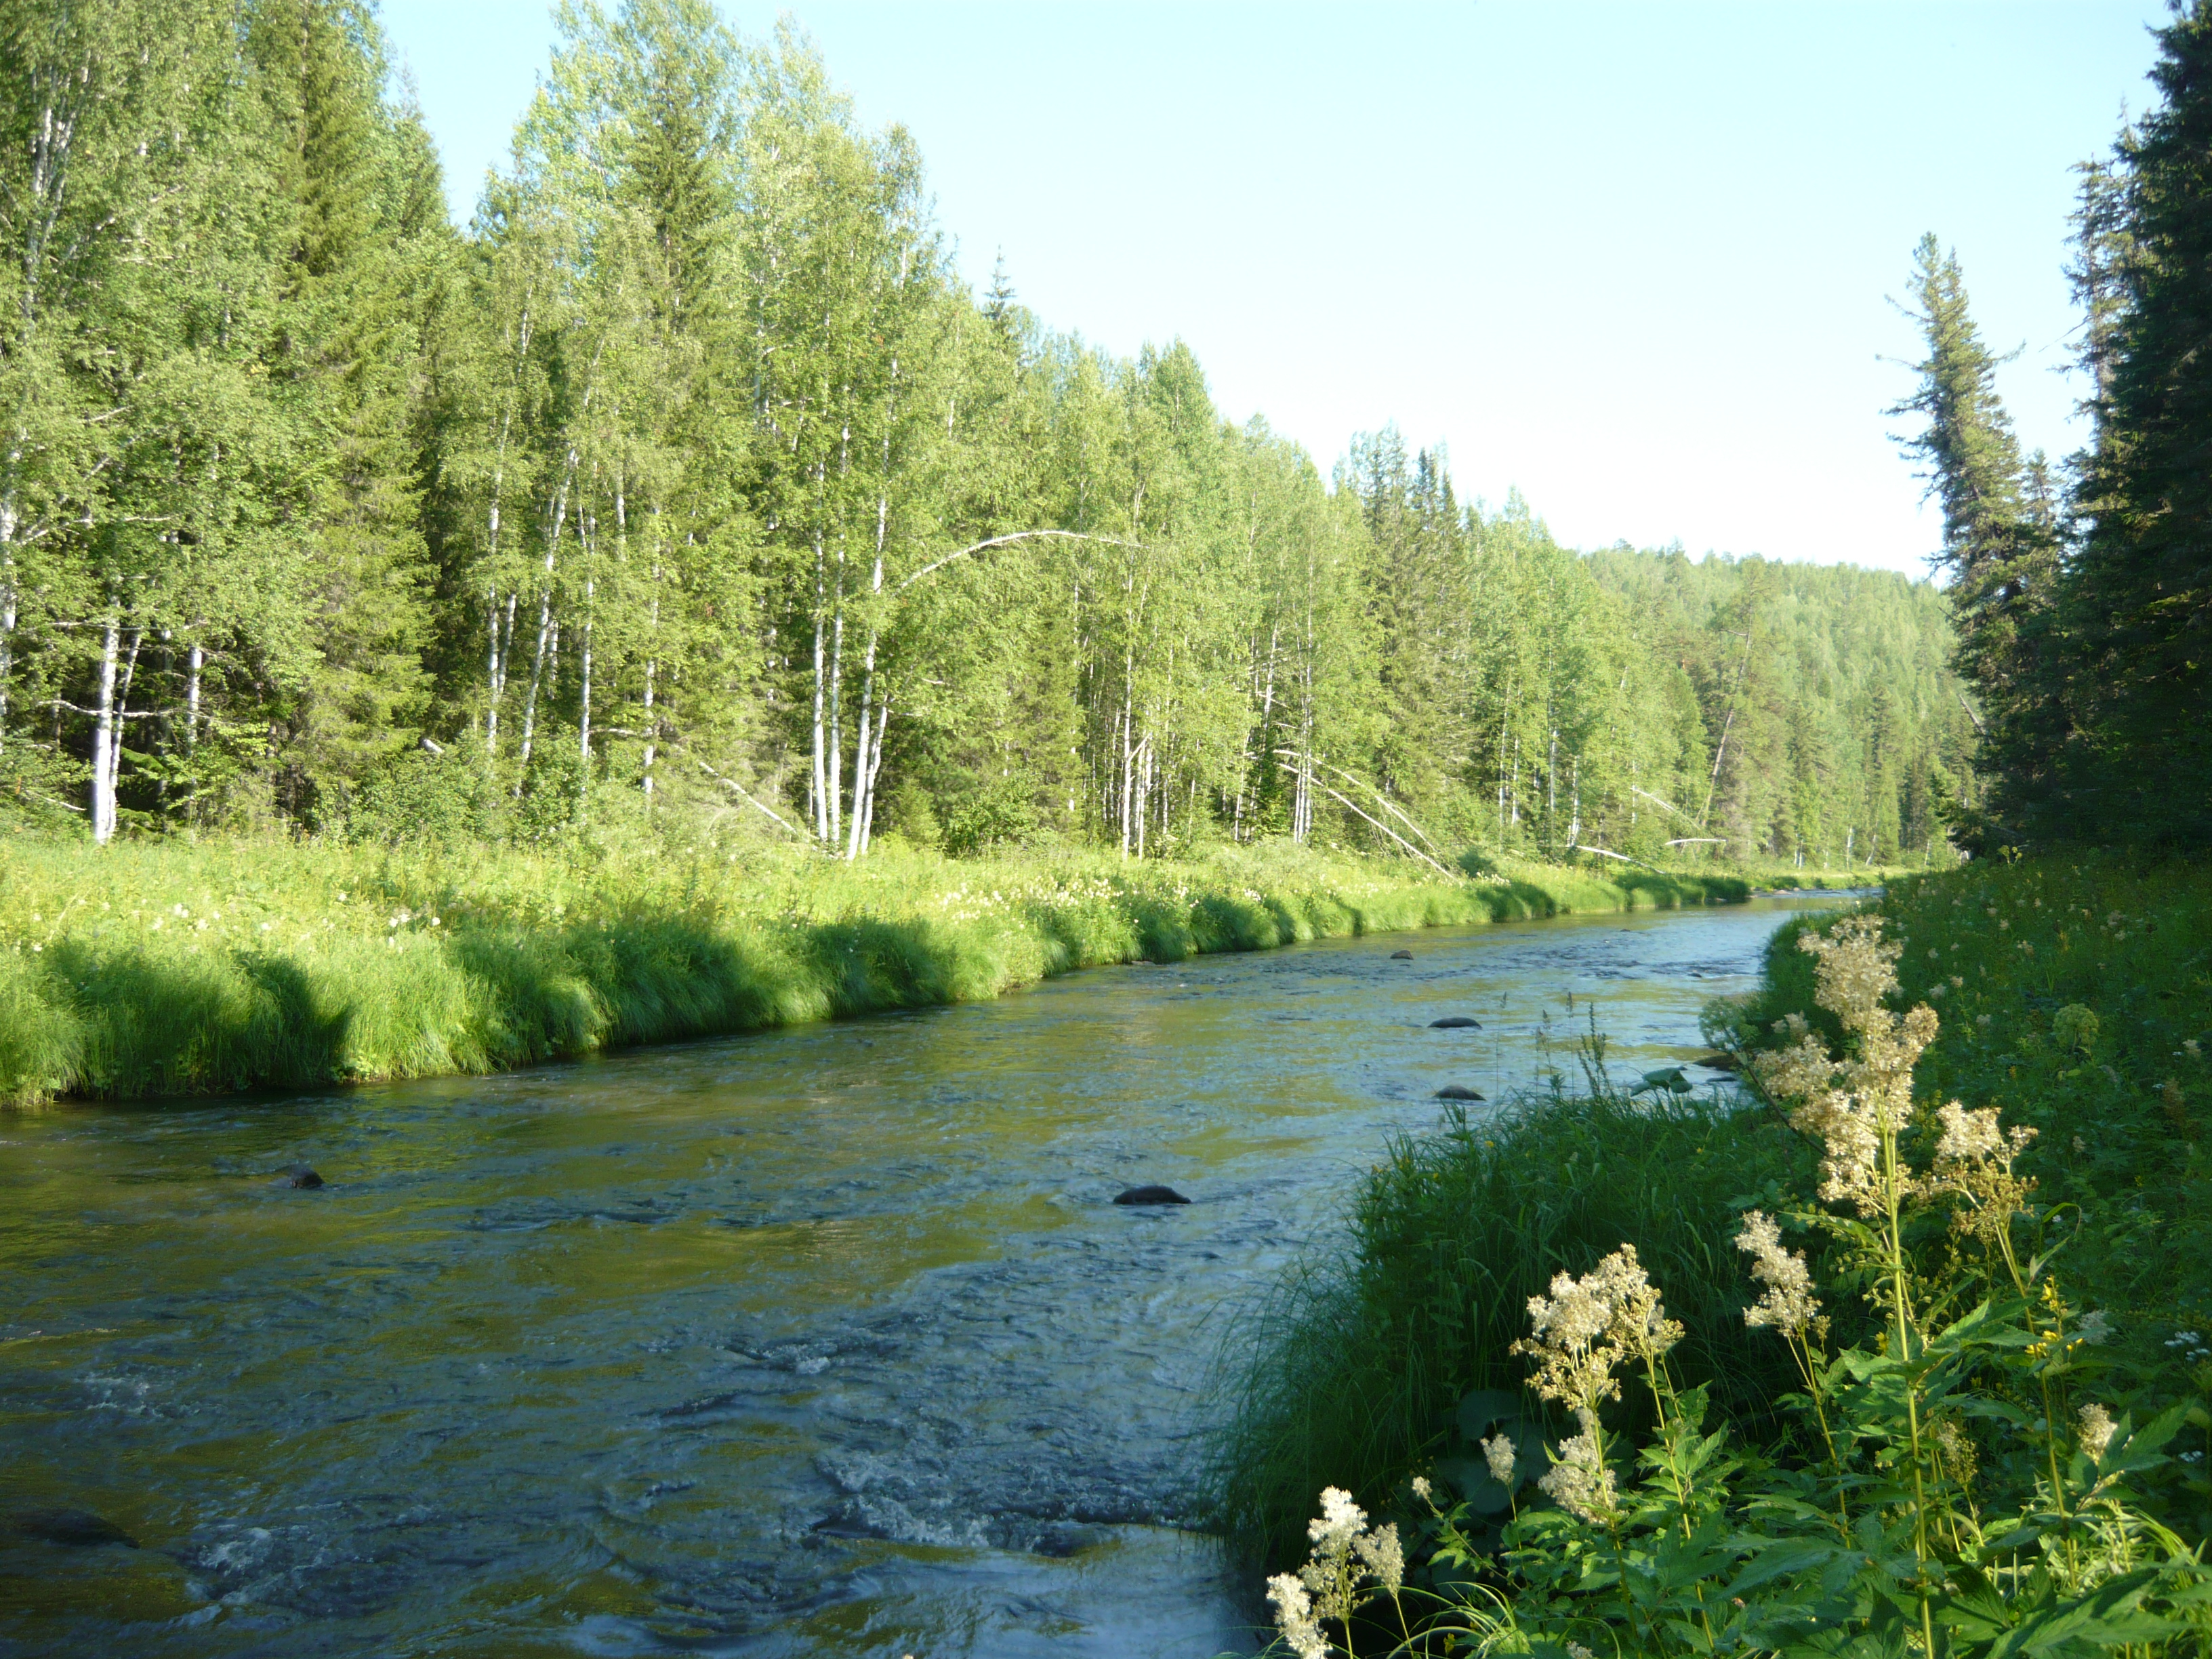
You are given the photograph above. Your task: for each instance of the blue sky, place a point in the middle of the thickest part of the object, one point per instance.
(1634, 259)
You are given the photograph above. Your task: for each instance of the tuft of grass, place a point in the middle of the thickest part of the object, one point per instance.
(1349, 1374)
(172, 968)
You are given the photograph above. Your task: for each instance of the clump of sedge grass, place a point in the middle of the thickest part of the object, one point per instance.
(1349, 1373)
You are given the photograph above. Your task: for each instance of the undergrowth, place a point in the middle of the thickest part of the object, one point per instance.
(2000, 1332)
(2075, 994)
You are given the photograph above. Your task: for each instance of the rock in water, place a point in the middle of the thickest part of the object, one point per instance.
(300, 1176)
(1454, 1022)
(1456, 1091)
(77, 1527)
(1152, 1195)
(1402, 955)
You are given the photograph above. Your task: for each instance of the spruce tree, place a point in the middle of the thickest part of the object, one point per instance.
(2001, 551)
(2139, 661)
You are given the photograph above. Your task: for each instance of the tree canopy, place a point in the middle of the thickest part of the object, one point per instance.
(690, 478)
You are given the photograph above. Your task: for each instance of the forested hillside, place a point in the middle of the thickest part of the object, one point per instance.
(691, 478)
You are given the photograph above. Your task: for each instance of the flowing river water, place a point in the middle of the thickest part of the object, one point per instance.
(810, 1342)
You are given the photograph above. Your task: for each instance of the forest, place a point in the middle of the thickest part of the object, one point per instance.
(690, 478)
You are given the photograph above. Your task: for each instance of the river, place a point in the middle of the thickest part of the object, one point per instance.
(810, 1342)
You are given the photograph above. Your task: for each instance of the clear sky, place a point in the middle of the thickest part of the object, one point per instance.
(1634, 259)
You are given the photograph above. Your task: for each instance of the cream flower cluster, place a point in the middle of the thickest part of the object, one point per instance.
(2097, 1430)
(1497, 1452)
(1851, 1104)
(1327, 1586)
(1588, 1326)
(1580, 1482)
(1788, 1304)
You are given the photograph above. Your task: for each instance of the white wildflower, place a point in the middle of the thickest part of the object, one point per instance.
(1579, 1482)
(1423, 1490)
(1339, 1522)
(1973, 1159)
(1383, 1556)
(2096, 1327)
(1851, 1104)
(1294, 1617)
(1789, 1305)
(2097, 1426)
(1329, 1576)
(1497, 1453)
(1588, 1326)
(1577, 1651)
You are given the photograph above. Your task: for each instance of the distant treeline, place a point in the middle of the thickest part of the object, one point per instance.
(2084, 591)
(691, 477)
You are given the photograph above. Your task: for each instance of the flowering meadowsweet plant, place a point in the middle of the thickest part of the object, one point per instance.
(1950, 1493)
(1328, 1590)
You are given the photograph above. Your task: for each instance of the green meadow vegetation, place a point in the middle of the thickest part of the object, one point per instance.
(187, 967)
(2055, 1272)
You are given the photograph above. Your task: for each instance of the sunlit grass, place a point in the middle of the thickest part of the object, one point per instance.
(2075, 994)
(169, 968)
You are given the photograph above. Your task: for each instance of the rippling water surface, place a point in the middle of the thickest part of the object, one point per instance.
(823, 1341)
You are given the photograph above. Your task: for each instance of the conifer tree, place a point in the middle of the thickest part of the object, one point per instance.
(2000, 547)
(2139, 660)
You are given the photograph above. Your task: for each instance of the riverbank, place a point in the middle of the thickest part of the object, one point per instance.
(2072, 996)
(171, 968)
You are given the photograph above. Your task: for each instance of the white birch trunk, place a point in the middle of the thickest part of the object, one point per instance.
(820, 783)
(875, 768)
(7, 613)
(103, 739)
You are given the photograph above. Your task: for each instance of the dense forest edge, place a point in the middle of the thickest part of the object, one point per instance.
(691, 481)
(1901, 1343)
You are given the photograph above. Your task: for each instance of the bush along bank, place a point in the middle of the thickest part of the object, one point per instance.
(1989, 1431)
(178, 969)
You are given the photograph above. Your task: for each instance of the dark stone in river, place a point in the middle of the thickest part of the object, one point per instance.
(78, 1527)
(1152, 1195)
(1715, 1061)
(1064, 1539)
(300, 1176)
(1454, 1022)
(1456, 1091)
(1402, 955)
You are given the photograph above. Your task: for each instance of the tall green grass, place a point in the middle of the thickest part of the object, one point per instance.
(165, 969)
(2122, 1102)
(1349, 1375)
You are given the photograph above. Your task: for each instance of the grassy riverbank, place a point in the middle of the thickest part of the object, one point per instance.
(169, 968)
(2074, 995)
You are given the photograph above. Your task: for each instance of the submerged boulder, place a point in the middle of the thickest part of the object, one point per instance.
(1456, 1091)
(1402, 955)
(300, 1176)
(80, 1528)
(1151, 1195)
(1454, 1022)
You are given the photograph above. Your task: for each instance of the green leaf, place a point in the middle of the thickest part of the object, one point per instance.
(2106, 1617)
